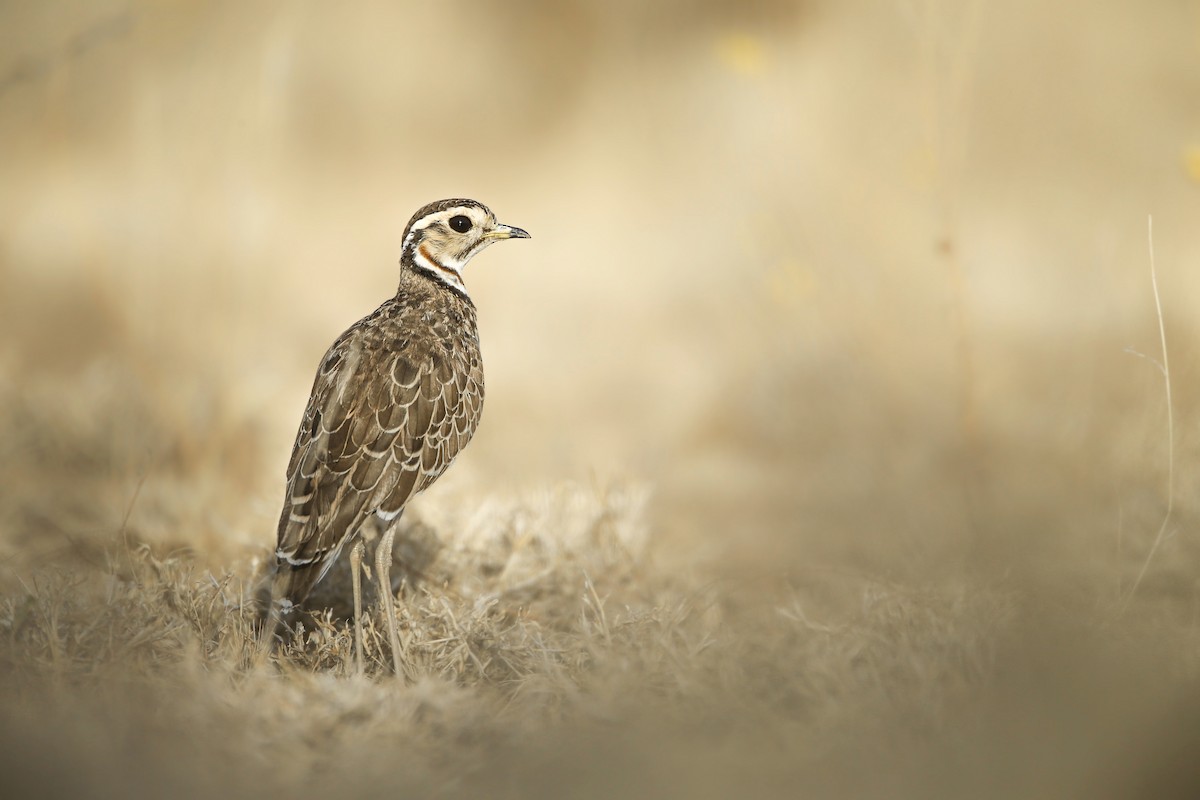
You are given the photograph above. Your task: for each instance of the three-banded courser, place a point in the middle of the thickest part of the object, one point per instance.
(396, 398)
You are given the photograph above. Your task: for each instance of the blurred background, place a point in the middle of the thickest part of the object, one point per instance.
(855, 288)
(798, 265)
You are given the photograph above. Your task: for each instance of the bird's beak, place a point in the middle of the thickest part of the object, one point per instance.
(505, 232)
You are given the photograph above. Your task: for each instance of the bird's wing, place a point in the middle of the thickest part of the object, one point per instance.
(382, 424)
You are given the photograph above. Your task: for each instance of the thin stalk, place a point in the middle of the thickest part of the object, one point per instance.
(1165, 368)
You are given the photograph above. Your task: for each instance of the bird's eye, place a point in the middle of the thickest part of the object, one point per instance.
(460, 223)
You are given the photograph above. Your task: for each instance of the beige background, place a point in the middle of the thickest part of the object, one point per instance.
(847, 287)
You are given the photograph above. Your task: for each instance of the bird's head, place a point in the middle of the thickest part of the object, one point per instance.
(443, 236)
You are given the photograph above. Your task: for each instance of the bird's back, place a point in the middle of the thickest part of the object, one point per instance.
(395, 399)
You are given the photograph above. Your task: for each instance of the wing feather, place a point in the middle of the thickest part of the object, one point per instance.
(383, 421)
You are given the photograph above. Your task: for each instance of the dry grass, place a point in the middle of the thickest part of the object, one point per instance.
(487, 676)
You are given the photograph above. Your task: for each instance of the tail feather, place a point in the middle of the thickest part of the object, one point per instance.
(279, 594)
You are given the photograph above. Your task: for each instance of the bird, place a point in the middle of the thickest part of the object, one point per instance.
(396, 398)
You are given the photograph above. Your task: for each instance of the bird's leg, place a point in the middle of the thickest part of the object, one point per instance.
(356, 557)
(383, 572)
(270, 619)
(265, 646)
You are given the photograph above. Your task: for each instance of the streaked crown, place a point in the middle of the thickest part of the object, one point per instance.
(443, 236)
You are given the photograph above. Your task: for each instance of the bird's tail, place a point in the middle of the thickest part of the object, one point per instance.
(278, 596)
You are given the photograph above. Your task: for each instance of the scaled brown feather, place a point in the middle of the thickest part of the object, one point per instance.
(394, 401)
(392, 405)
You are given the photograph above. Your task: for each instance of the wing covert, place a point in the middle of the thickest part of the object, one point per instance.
(381, 425)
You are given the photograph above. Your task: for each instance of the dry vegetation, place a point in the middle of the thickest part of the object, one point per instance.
(815, 462)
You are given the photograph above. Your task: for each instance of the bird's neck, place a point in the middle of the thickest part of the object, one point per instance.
(416, 282)
(418, 258)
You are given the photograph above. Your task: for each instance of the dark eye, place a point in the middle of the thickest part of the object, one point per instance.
(460, 223)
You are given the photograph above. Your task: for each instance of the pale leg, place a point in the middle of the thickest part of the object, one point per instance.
(266, 636)
(356, 557)
(383, 573)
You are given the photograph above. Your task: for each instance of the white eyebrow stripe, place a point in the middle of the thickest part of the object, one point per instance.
(420, 226)
(443, 216)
